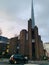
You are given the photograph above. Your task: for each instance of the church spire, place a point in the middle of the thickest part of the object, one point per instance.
(32, 15)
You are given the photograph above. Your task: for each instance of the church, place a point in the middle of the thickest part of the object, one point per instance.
(30, 43)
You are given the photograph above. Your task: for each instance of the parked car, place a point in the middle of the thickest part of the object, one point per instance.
(18, 58)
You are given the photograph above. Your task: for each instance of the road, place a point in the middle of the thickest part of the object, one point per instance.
(6, 62)
(21, 64)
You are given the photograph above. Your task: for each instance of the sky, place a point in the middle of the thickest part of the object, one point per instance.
(14, 16)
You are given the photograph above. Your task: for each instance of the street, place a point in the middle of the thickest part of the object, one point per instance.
(6, 62)
(3, 63)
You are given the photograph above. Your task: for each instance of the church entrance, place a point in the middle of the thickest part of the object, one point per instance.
(33, 45)
(33, 51)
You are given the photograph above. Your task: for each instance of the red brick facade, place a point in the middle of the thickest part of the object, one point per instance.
(30, 43)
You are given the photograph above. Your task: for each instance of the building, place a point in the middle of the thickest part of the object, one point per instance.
(13, 45)
(41, 48)
(3, 43)
(34, 42)
(30, 43)
(24, 42)
(46, 47)
(34, 39)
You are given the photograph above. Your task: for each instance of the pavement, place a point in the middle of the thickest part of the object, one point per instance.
(38, 62)
(4, 60)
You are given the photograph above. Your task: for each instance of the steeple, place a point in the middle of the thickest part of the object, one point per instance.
(32, 15)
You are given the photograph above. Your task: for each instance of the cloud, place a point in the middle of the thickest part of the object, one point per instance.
(14, 15)
(41, 8)
(10, 26)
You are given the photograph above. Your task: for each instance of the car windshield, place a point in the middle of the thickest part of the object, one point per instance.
(18, 56)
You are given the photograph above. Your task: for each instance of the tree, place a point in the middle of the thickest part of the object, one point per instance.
(0, 32)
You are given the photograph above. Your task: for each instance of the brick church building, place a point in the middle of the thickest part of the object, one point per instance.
(30, 43)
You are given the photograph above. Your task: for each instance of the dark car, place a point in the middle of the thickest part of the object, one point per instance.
(17, 58)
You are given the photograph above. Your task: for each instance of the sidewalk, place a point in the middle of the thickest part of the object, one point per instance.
(38, 62)
(4, 60)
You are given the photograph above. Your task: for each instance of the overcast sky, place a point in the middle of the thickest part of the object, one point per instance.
(14, 15)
